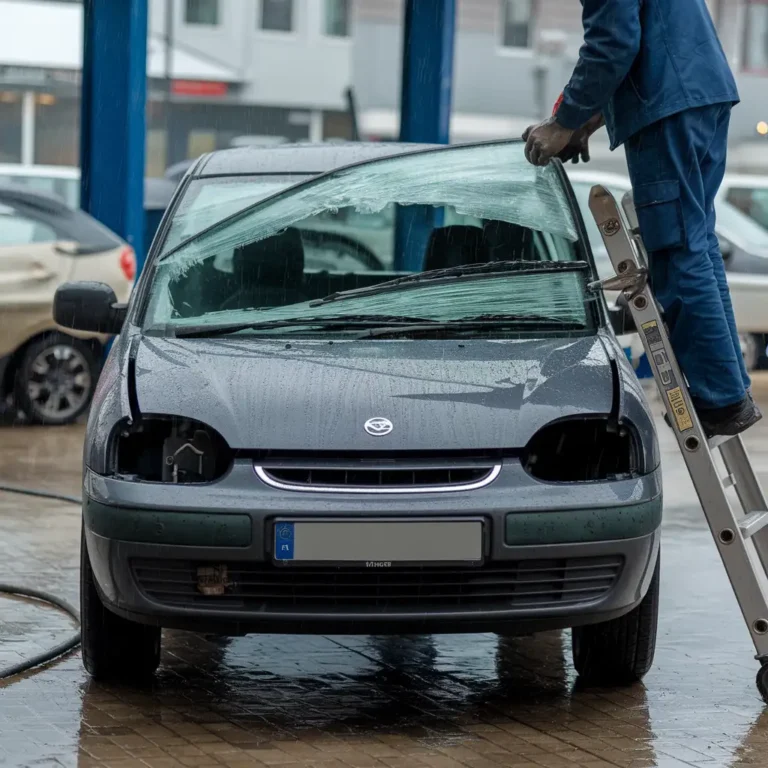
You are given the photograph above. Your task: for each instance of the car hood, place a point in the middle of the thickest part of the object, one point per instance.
(479, 394)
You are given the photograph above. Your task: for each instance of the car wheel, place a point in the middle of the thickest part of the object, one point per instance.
(619, 651)
(112, 647)
(55, 379)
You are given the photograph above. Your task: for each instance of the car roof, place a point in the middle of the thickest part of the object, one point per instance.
(23, 196)
(56, 171)
(297, 158)
(68, 223)
(599, 177)
(745, 180)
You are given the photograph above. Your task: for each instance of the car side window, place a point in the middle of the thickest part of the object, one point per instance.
(328, 252)
(373, 231)
(752, 202)
(21, 230)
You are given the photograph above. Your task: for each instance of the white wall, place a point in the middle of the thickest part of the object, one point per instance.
(302, 68)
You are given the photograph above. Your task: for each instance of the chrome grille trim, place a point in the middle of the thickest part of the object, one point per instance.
(263, 474)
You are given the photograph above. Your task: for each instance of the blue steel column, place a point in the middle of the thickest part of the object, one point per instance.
(112, 122)
(425, 108)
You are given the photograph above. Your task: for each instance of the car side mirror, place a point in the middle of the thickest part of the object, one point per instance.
(621, 318)
(88, 306)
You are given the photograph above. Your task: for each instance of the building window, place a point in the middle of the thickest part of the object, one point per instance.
(10, 126)
(202, 12)
(276, 15)
(517, 21)
(756, 36)
(337, 18)
(57, 130)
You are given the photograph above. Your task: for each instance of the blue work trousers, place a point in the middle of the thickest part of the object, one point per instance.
(676, 166)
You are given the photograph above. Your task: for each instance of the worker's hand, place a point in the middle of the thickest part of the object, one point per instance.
(545, 141)
(577, 148)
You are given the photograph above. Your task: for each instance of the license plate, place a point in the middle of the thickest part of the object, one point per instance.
(379, 543)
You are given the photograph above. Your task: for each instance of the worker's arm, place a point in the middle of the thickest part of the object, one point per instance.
(611, 44)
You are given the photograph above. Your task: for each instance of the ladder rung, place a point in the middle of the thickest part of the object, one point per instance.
(718, 440)
(729, 481)
(752, 523)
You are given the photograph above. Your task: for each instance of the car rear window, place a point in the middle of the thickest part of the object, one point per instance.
(361, 226)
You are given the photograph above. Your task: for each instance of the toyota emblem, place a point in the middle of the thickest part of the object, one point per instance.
(378, 427)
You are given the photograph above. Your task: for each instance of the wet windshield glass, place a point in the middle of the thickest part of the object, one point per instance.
(208, 201)
(366, 225)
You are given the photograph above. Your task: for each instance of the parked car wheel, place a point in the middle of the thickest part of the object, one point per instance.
(55, 379)
(619, 651)
(112, 646)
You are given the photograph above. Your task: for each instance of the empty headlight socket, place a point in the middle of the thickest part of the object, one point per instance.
(168, 449)
(164, 448)
(585, 448)
(581, 449)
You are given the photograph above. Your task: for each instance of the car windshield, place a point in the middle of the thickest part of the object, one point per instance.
(327, 257)
(66, 189)
(751, 201)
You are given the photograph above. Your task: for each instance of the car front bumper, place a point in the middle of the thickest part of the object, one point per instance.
(556, 556)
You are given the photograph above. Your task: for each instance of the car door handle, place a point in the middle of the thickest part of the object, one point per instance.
(39, 272)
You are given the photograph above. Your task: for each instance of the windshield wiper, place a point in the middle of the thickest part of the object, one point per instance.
(480, 322)
(448, 273)
(347, 322)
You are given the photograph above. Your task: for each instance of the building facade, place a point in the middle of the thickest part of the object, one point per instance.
(513, 57)
(227, 72)
(220, 72)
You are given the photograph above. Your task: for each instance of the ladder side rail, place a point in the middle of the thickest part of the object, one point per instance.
(739, 555)
(733, 451)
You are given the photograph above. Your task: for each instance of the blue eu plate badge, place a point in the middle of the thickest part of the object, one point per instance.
(284, 538)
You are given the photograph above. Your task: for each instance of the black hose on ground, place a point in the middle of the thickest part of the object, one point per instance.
(37, 594)
(41, 494)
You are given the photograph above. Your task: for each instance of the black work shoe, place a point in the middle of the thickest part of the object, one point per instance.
(728, 421)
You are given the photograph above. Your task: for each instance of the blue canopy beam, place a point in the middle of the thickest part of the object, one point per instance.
(113, 124)
(425, 112)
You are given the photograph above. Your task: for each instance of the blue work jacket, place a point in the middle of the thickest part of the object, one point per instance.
(643, 60)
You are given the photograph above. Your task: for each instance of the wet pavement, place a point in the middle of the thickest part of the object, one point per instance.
(472, 701)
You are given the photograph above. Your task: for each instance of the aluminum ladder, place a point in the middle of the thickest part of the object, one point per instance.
(739, 525)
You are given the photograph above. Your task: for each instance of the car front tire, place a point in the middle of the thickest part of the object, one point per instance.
(619, 651)
(55, 379)
(113, 648)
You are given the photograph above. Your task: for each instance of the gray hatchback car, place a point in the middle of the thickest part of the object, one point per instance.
(367, 389)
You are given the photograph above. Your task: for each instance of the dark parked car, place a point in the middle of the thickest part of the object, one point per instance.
(291, 436)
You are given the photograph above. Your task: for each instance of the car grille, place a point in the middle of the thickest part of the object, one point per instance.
(379, 475)
(264, 587)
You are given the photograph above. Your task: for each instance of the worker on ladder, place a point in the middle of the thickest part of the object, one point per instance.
(654, 73)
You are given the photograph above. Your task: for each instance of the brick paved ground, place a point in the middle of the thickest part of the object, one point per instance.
(360, 702)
